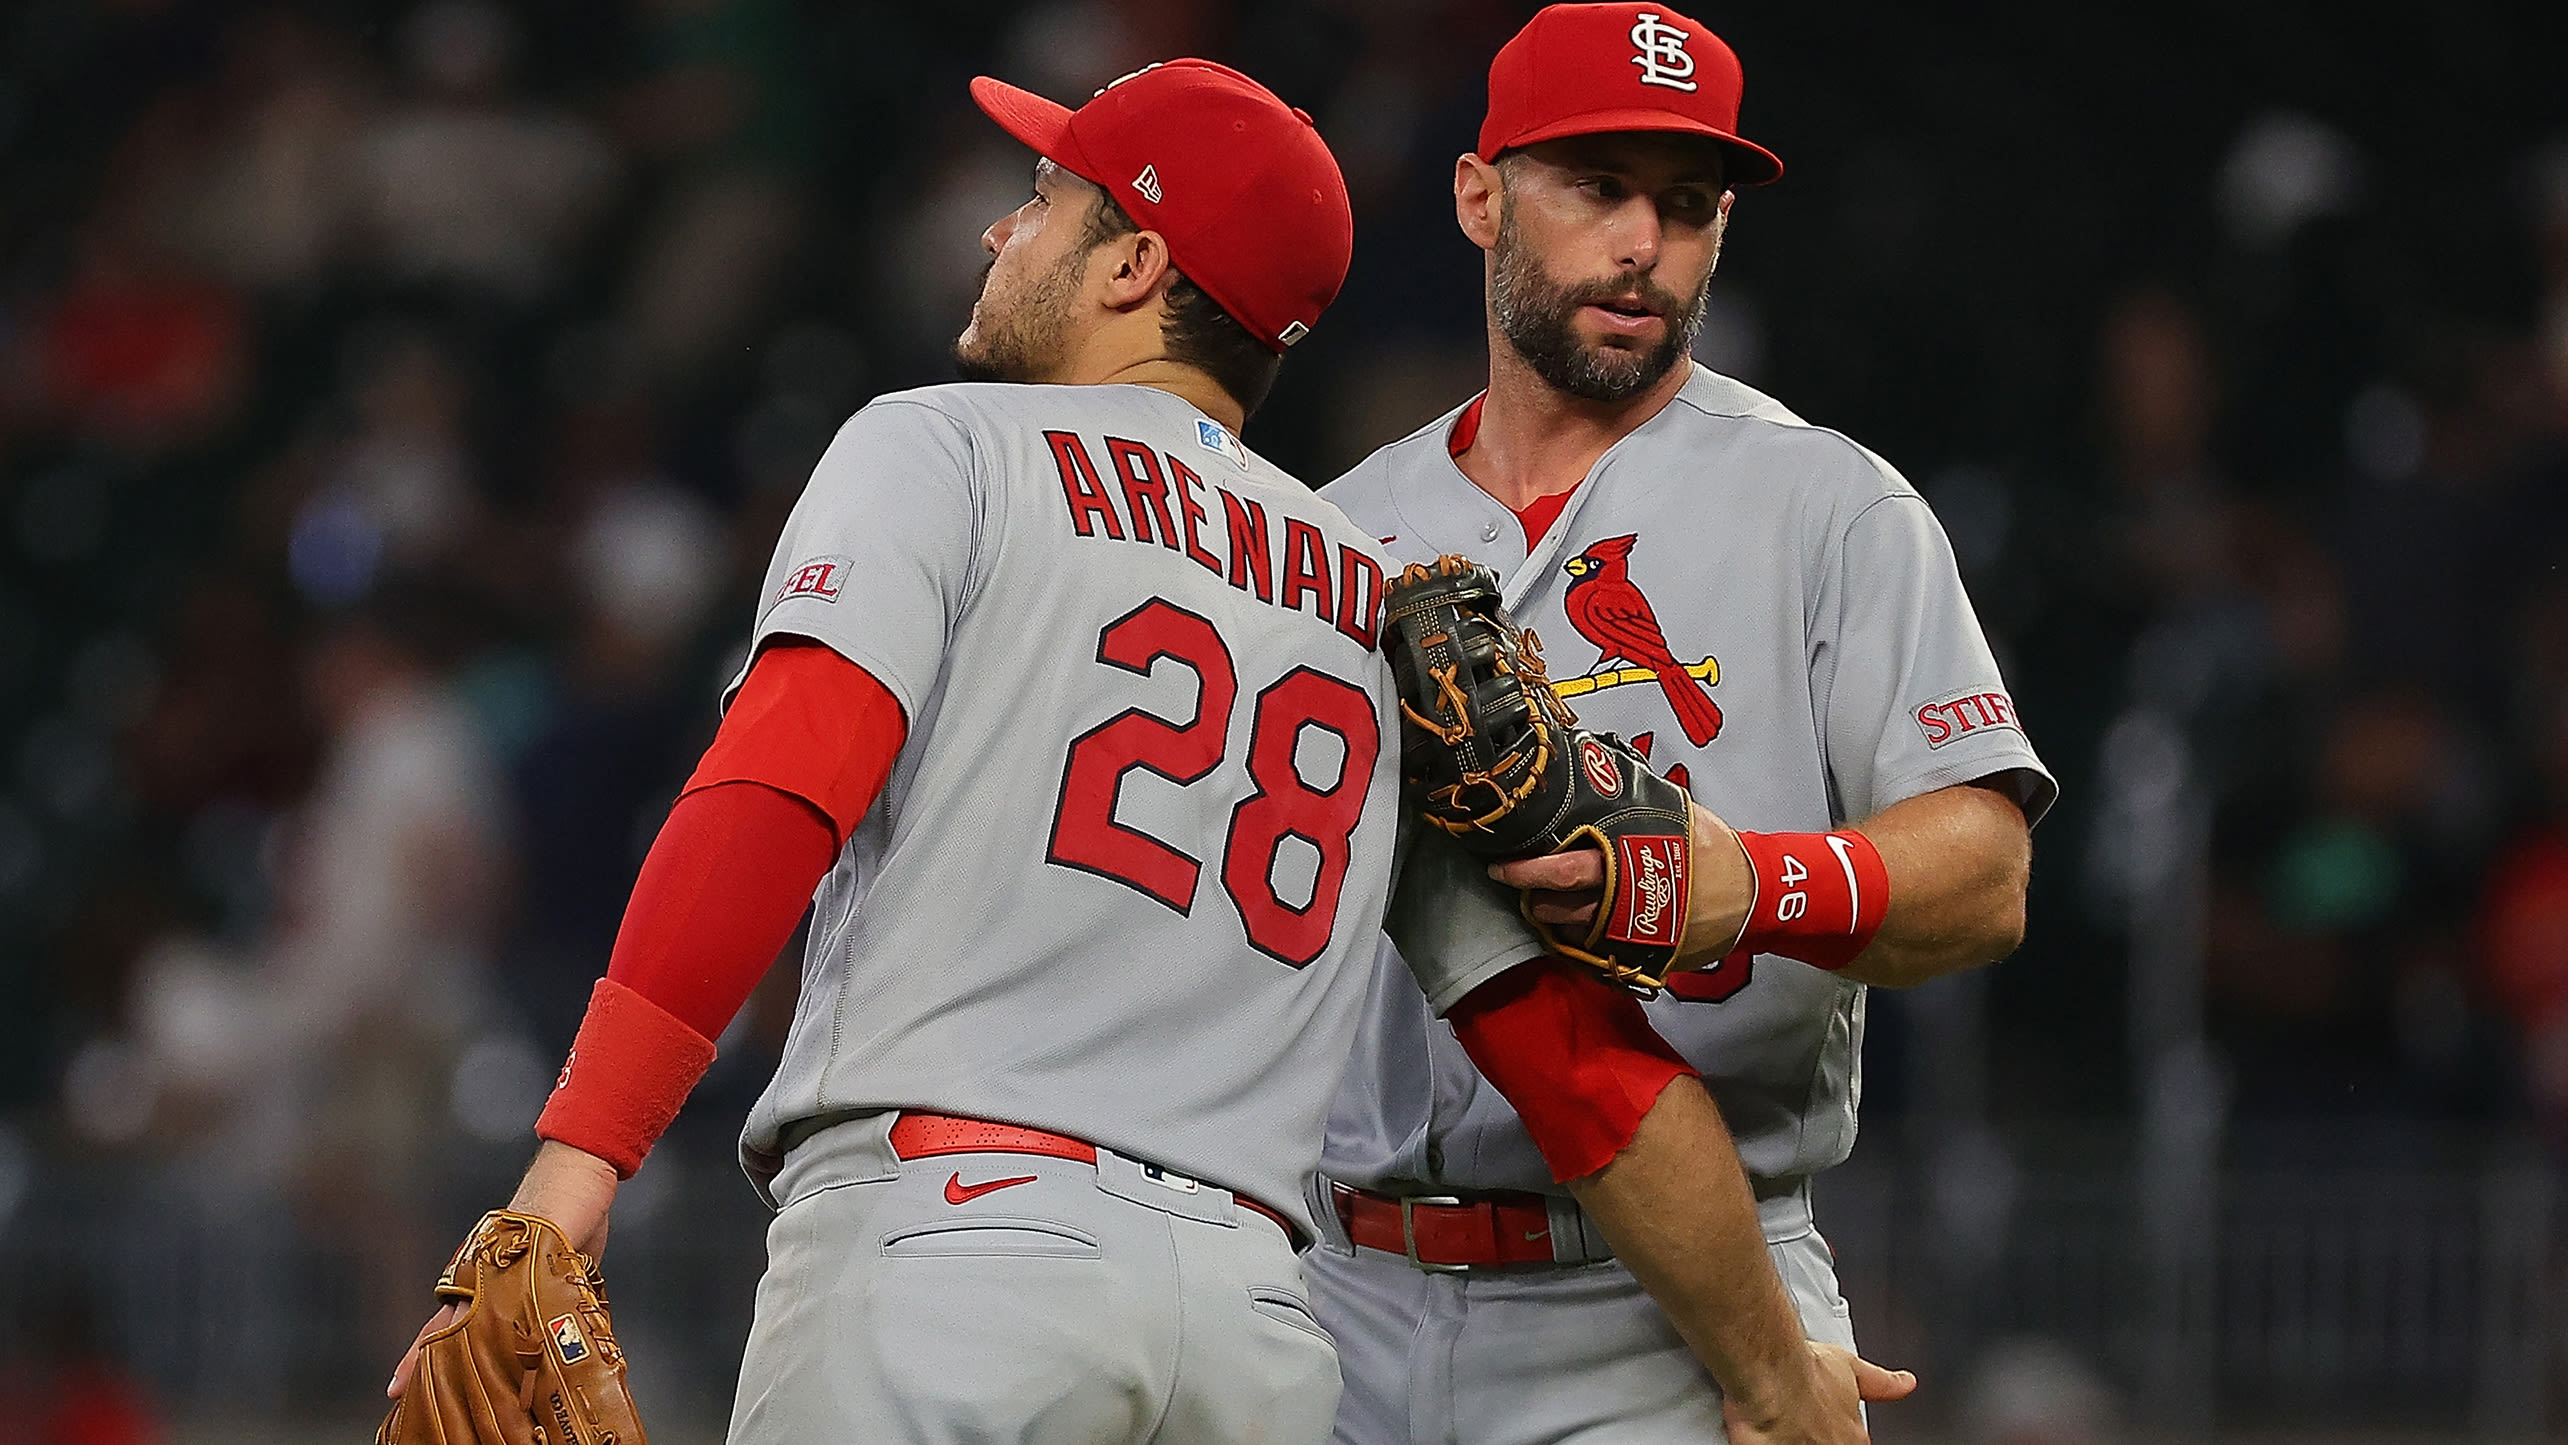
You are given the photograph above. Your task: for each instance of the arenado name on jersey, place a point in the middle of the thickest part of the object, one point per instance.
(1163, 503)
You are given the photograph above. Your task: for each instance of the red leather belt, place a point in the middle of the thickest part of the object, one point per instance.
(1445, 1232)
(924, 1136)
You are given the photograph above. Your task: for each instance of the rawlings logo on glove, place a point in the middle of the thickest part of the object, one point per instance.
(1493, 756)
(1656, 868)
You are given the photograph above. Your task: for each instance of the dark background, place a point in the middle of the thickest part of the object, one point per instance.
(467, 356)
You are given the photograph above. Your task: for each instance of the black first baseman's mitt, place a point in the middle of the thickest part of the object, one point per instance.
(1494, 757)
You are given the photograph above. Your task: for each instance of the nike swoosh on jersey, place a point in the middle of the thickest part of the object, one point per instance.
(958, 1192)
(1387, 541)
(1533, 1234)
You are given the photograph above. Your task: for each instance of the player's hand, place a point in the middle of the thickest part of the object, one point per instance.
(570, 1187)
(1831, 1411)
(1567, 887)
(401, 1373)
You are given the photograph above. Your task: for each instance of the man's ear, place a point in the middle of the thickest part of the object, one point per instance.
(1133, 270)
(1720, 230)
(1479, 193)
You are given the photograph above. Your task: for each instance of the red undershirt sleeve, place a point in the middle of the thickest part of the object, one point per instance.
(810, 723)
(797, 762)
(1575, 1056)
(720, 893)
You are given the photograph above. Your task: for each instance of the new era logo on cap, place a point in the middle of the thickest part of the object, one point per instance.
(1148, 184)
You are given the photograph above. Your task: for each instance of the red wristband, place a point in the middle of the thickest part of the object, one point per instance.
(1820, 897)
(630, 1068)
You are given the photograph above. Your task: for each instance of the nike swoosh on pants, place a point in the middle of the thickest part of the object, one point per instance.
(958, 1192)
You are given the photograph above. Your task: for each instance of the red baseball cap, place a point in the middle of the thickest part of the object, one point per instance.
(1239, 183)
(1581, 69)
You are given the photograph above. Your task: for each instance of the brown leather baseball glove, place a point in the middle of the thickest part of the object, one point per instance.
(531, 1361)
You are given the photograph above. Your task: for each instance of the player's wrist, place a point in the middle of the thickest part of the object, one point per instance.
(1723, 890)
(1781, 1391)
(570, 1187)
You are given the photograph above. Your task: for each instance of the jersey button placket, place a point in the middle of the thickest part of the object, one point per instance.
(1489, 533)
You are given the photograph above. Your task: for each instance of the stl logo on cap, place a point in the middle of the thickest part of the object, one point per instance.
(1615, 66)
(1662, 56)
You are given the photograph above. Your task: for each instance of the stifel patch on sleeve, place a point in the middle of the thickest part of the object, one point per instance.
(1970, 712)
(821, 577)
(1649, 906)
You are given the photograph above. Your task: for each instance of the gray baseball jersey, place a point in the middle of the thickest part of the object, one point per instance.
(1773, 615)
(1125, 879)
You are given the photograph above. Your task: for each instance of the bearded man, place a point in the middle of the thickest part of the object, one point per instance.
(1778, 623)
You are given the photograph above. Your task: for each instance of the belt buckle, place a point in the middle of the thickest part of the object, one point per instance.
(1409, 1231)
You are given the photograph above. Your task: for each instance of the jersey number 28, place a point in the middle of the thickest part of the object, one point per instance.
(1086, 836)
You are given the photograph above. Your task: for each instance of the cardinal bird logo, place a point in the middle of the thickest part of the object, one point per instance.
(1608, 609)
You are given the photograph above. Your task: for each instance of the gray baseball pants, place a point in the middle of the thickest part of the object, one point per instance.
(1087, 1303)
(1548, 1356)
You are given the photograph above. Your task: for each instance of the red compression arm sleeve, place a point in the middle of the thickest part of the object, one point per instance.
(810, 723)
(1576, 1057)
(797, 761)
(726, 881)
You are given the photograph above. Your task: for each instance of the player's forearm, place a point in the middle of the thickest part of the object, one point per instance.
(1676, 1206)
(1959, 860)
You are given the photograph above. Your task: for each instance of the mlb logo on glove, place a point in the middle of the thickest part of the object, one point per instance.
(567, 1341)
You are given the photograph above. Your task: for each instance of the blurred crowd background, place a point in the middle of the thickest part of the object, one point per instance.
(398, 402)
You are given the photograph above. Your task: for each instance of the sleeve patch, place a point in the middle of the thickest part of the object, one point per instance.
(1967, 713)
(821, 577)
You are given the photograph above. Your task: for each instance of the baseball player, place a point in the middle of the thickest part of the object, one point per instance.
(1069, 708)
(1773, 616)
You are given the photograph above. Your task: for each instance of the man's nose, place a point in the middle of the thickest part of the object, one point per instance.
(1636, 234)
(997, 236)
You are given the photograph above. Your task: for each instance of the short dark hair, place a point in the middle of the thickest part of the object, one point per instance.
(1197, 330)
